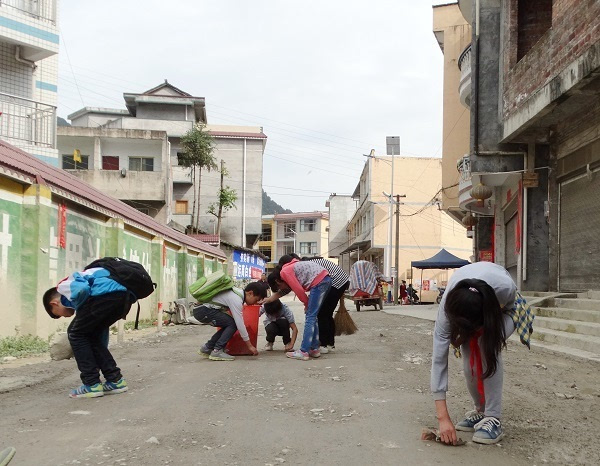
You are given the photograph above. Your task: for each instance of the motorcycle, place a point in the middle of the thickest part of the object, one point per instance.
(413, 296)
(441, 290)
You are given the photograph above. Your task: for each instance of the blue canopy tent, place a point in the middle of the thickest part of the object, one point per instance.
(442, 260)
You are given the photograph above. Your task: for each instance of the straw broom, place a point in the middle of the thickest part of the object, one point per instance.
(344, 325)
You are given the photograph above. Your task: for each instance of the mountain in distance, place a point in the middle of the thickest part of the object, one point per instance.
(62, 122)
(270, 207)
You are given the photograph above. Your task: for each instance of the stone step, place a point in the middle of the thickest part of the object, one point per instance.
(575, 303)
(592, 294)
(568, 326)
(581, 342)
(580, 315)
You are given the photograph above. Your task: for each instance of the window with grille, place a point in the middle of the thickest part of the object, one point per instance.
(289, 230)
(141, 164)
(266, 232)
(110, 162)
(68, 163)
(308, 248)
(308, 225)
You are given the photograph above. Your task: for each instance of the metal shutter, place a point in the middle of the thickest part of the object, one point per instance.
(579, 228)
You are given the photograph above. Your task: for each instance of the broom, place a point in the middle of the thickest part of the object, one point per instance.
(344, 325)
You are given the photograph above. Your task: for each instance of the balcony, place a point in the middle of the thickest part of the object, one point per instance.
(27, 122)
(43, 10)
(126, 184)
(464, 85)
(182, 175)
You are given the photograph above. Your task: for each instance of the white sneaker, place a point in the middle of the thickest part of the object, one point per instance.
(269, 346)
(324, 350)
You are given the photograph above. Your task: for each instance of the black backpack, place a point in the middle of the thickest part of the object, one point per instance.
(131, 275)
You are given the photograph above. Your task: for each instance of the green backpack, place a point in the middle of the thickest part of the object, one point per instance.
(206, 288)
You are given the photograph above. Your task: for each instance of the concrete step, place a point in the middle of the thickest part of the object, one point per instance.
(592, 294)
(575, 303)
(572, 340)
(580, 315)
(568, 326)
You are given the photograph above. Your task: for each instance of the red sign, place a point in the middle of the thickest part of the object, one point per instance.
(255, 273)
(62, 226)
(486, 256)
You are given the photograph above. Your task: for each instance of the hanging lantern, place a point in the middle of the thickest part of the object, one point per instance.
(469, 221)
(481, 192)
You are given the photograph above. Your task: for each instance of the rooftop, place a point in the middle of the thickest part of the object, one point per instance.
(22, 166)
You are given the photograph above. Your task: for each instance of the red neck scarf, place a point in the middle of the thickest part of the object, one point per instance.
(476, 363)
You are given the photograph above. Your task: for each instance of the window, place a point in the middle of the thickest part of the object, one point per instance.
(143, 210)
(308, 225)
(266, 250)
(69, 164)
(308, 248)
(141, 164)
(286, 249)
(289, 230)
(181, 207)
(110, 163)
(534, 19)
(180, 157)
(266, 232)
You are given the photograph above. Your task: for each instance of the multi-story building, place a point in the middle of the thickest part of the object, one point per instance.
(304, 233)
(535, 139)
(453, 34)
(266, 242)
(341, 209)
(29, 43)
(168, 109)
(424, 227)
(131, 165)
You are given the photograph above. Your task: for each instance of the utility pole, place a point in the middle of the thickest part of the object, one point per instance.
(398, 196)
(220, 203)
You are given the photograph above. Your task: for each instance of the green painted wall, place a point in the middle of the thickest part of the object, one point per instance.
(31, 259)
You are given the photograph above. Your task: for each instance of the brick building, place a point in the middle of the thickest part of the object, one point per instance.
(535, 139)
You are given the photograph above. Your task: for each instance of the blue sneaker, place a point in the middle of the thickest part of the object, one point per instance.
(488, 431)
(468, 423)
(111, 388)
(87, 391)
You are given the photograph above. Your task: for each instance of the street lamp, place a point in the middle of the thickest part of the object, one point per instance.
(294, 233)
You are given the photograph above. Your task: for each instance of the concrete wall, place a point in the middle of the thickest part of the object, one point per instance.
(456, 33)
(32, 260)
(232, 152)
(341, 209)
(164, 112)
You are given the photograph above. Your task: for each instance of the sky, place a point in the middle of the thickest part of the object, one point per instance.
(327, 80)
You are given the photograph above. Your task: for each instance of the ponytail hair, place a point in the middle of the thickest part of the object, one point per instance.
(286, 258)
(470, 306)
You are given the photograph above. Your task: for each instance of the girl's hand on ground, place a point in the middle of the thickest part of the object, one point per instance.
(253, 350)
(289, 347)
(447, 431)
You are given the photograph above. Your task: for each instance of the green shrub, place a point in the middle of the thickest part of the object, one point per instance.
(22, 346)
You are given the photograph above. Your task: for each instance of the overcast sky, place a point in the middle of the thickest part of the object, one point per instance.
(328, 80)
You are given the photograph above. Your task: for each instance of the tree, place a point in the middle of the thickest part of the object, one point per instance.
(197, 147)
(227, 199)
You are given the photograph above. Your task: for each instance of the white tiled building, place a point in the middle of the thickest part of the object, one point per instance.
(29, 44)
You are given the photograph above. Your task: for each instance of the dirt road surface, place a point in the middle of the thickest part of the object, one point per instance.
(364, 404)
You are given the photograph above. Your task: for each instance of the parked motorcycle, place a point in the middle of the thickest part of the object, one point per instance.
(440, 295)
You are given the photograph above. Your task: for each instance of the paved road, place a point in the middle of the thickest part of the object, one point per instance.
(365, 404)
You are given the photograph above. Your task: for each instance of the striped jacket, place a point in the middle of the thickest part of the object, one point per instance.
(339, 278)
